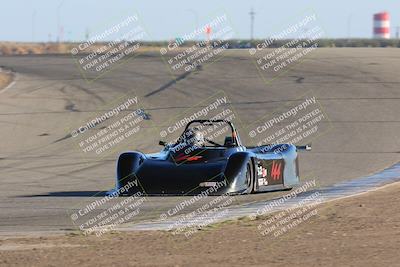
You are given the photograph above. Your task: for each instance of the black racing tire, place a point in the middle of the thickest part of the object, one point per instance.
(249, 178)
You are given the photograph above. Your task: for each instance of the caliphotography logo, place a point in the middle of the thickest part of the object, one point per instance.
(200, 46)
(109, 47)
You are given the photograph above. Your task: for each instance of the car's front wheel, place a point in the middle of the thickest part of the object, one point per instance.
(249, 178)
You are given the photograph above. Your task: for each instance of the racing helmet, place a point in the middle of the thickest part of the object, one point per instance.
(194, 137)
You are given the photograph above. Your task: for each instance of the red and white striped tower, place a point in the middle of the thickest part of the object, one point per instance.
(382, 25)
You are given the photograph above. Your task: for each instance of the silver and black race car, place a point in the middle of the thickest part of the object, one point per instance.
(197, 162)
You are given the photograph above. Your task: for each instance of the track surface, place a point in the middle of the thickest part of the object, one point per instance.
(44, 176)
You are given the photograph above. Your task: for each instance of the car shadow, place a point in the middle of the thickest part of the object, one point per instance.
(70, 194)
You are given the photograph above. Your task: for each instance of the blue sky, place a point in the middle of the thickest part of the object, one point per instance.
(165, 20)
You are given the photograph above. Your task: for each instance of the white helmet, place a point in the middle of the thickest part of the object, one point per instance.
(194, 137)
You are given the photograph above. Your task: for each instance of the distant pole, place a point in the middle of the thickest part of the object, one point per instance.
(349, 26)
(58, 22)
(196, 17)
(252, 13)
(69, 36)
(33, 25)
(87, 34)
(397, 32)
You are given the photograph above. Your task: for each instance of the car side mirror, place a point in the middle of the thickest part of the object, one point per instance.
(162, 143)
(305, 147)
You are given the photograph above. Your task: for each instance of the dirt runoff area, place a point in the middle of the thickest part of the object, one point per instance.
(359, 231)
(5, 79)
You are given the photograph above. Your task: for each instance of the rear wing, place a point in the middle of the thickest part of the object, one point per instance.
(305, 147)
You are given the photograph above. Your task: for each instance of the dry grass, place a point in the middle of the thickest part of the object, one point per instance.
(13, 48)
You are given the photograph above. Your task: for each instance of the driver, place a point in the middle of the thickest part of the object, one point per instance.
(194, 137)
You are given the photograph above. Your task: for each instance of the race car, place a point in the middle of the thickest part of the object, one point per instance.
(199, 163)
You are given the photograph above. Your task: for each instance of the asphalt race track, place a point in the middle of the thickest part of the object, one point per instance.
(45, 176)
